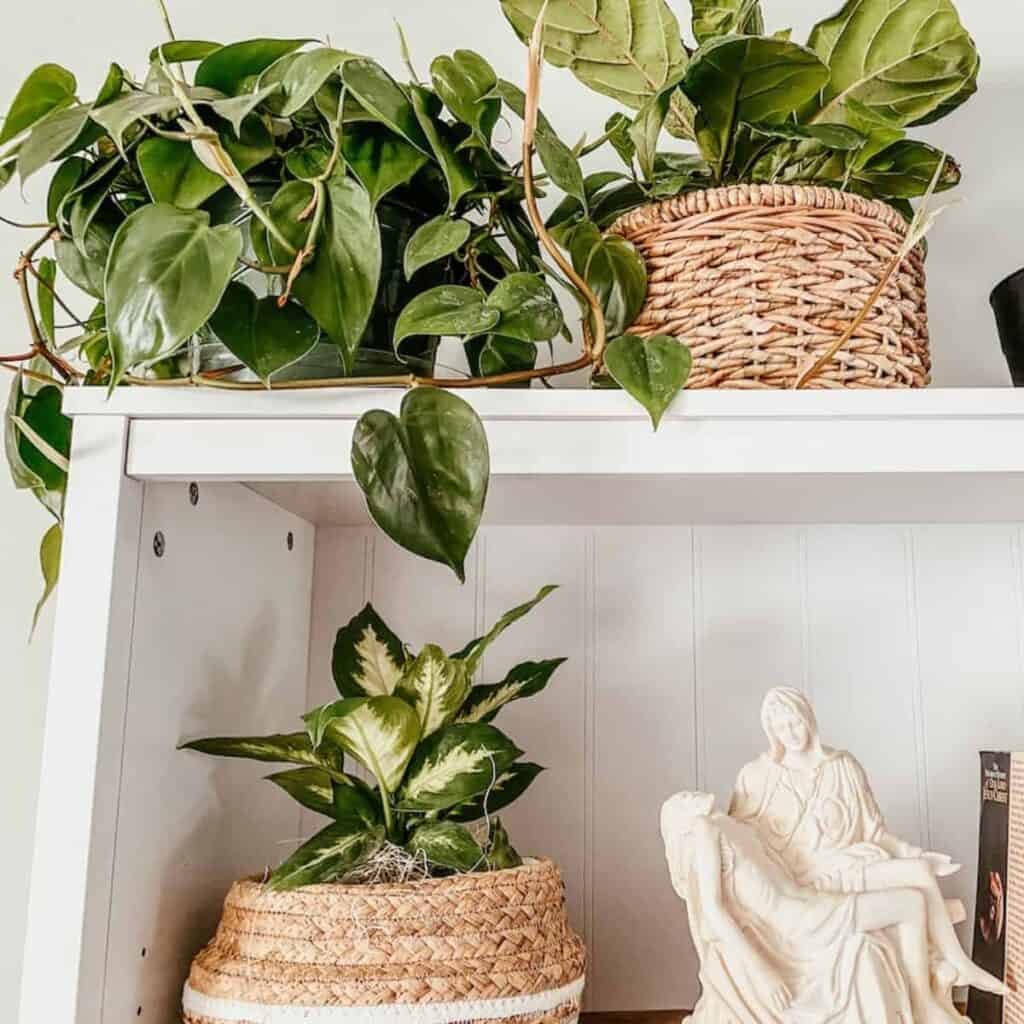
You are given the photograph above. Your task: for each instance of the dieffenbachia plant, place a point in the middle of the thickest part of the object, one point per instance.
(762, 108)
(274, 213)
(421, 729)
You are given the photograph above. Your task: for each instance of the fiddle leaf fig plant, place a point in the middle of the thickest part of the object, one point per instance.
(419, 727)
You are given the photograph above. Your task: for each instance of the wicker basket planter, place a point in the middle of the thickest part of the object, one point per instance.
(759, 279)
(470, 948)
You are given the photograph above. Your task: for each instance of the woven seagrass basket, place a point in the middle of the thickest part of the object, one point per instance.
(470, 949)
(759, 280)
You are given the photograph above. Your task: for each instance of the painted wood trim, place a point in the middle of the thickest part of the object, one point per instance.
(65, 948)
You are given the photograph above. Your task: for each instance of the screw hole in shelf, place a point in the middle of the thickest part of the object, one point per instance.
(143, 953)
(193, 494)
(138, 1012)
(159, 544)
(291, 541)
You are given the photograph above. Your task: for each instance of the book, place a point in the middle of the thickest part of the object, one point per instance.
(999, 908)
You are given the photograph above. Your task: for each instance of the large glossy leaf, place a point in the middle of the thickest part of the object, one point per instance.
(747, 78)
(435, 686)
(906, 59)
(525, 680)
(506, 355)
(455, 166)
(447, 311)
(368, 659)
(905, 171)
(434, 240)
(282, 748)
(166, 273)
(311, 787)
(358, 804)
(455, 764)
(23, 476)
(646, 128)
(174, 174)
(384, 99)
(653, 370)
(47, 424)
(448, 845)
(465, 82)
(260, 333)
(339, 286)
(379, 158)
(227, 68)
(83, 262)
(627, 50)
(236, 109)
(381, 733)
(46, 89)
(328, 856)
(713, 18)
(424, 474)
(615, 270)
(509, 786)
(476, 648)
(528, 308)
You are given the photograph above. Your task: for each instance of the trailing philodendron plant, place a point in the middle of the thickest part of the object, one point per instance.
(417, 725)
(274, 213)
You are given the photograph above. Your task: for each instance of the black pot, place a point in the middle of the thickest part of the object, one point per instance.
(1007, 300)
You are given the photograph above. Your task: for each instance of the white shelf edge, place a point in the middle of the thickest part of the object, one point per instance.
(553, 404)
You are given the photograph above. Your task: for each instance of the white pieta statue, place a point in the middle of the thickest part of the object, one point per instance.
(804, 909)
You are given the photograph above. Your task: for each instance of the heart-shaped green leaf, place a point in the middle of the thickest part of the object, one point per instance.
(22, 474)
(263, 335)
(49, 566)
(385, 100)
(505, 355)
(615, 270)
(448, 310)
(737, 78)
(45, 421)
(306, 74)
(339, 287)
(424, 474)
(507, 788)
(458, 172)
(183, 51)
(528, 307)
(225, 69)
(475, 649)
(328, 856)
(433, 241)
(53, 136)
(115, 118)
(524, 680)
(465, 82)
(379, 158)
(166, 273)
(84, 262)
(448, 845)
(435, 686)
(653, 370)
(368, 659)
(46, 89)
(381, 733)
(455, 764)
(236, 109)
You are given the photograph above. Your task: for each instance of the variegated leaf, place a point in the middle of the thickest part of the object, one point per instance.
(356, 803)
(329, 855)
(522, 681)
(291, 748)
(455, 764)
(436, 687)
(381, 733)
(474, 650)
(448, 845)
(368, 658)
(311, 787)
(510, 786)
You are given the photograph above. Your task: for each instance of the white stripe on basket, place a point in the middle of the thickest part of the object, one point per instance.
(239, 1012)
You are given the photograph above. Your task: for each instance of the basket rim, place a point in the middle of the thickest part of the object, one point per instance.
(540, 866)
(731, 198)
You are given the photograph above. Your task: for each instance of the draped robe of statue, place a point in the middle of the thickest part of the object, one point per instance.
(838, 975)
(826, 827)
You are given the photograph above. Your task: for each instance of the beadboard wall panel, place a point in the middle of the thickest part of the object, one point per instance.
(908, 638)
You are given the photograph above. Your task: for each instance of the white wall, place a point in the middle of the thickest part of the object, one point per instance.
(973, 246)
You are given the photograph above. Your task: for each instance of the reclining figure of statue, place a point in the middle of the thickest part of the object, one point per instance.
(803, 908)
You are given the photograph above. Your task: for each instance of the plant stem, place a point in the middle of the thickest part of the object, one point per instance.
(166, 19)
(389, 820)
